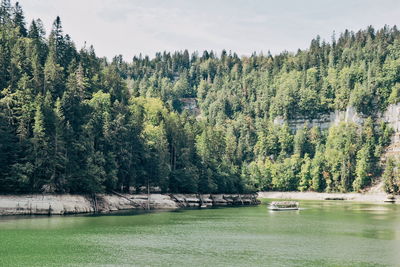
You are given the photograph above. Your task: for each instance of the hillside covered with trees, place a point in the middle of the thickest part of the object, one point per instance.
(71, 121)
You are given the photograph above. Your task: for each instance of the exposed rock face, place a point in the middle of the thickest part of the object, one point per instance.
(107, 203)
(391, 116)
(44, 204)
(73, 204)
(208, 200)
(190, 104)
(326, 120)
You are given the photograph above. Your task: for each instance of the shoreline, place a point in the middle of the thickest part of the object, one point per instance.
(62, 204)
(375, 197)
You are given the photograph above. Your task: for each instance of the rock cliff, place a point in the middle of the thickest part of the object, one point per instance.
(325, 121)
(390, 116)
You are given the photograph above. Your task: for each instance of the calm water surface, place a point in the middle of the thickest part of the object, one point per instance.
(323, 234)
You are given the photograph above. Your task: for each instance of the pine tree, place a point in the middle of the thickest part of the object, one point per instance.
(319, 175)
(306, 174)
(19, 19)
(5, 55)
(58, 176)
(363, 169)
(391, 177)
(300, 142)
(41, 152)
(37, 35)
(5, 12)
(8, 150)
(54, 76)
(56, 42)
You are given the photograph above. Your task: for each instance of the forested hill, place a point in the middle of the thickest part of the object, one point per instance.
(73, 122)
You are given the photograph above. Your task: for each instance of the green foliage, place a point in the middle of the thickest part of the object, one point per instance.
(362, 98)
(285, 174)
(41, 151)
(318, 173)
(363, 169)
(391, 176)
(340, 154)
(73, 122)
(257, 175)
(305, 174)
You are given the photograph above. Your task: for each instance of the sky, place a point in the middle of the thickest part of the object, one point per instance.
(130, 27)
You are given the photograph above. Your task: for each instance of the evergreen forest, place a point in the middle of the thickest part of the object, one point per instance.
(73, 122)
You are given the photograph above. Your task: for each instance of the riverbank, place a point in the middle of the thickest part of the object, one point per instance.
(52, 204)
(374, 197)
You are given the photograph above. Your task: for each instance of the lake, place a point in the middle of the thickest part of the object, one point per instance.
(323, 233)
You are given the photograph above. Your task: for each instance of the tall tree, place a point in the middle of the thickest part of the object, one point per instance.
(19, 19)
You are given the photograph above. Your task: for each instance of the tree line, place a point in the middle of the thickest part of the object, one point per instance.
(71, 121)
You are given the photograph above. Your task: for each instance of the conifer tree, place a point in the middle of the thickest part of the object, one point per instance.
(391, 177)
(5, 13)
(41, 151)
(19, 19)
(58, 176)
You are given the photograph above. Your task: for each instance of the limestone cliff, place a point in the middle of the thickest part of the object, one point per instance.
(391, 116)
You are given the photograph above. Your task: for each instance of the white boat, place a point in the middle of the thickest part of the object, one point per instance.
(284, 205)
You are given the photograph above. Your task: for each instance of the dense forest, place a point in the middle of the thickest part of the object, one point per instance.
(74, 122)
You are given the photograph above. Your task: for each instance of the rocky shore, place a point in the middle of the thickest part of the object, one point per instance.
(51, 204)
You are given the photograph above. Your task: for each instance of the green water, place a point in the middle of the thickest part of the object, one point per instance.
(323, 234)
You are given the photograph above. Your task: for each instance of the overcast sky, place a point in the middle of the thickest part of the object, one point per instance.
(130, 27)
